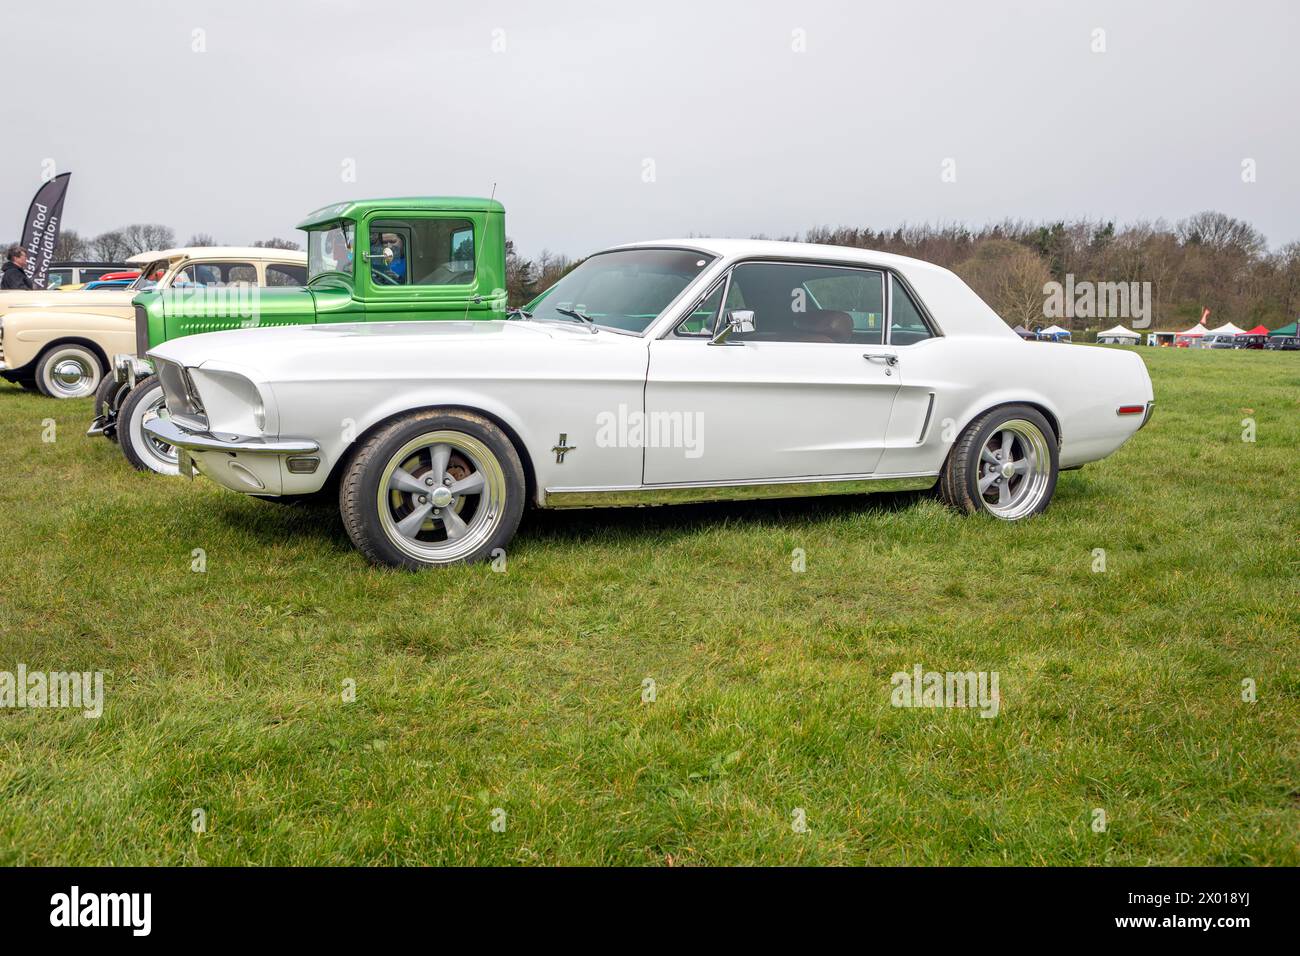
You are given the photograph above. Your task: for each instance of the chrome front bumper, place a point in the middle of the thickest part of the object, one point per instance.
(187, 441)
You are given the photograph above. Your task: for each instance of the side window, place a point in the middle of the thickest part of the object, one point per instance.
(57, 277)
(423, 252)
(241, 273)
(700, 323)
(216, 274)
(703, 319)
(906, 324)
(284, 274)
(805, 302)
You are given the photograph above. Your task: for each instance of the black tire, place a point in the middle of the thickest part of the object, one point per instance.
(84, 371)
(967, 467)
(476, 447)
(140, 450)
(105, 399)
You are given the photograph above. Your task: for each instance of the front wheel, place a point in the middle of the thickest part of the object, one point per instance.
(433, 488)
(69, 370)
(1005, 464)
(105, 398)
(143, 404)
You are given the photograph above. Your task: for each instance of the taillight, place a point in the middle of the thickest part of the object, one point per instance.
(1130, 410)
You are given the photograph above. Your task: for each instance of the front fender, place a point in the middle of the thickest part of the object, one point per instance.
(27, 333)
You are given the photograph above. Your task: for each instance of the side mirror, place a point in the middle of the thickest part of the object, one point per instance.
(737, 320)
(386, 255)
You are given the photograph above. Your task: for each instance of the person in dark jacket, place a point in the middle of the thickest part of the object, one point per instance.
(15, 269)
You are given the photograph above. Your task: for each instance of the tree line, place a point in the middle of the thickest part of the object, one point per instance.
(117, 245)
(1209, 260)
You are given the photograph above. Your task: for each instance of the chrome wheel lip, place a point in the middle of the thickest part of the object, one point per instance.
(73, 375)
(488, 514)
(1032, 469)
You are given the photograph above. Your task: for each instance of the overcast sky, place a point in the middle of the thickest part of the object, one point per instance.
(747, 117)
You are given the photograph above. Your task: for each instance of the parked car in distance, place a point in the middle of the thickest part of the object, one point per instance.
(77, 273)
(1221, 341)
(1282, 343)
(678, 371)
(60, 342)
(372, 260)
(108, 284)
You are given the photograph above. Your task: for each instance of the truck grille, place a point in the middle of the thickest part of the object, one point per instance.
(141, 331)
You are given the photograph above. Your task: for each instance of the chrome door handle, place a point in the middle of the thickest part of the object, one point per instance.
(889, 360)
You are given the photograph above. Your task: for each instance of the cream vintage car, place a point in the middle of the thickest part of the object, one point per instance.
(62, 343)
(680, 371)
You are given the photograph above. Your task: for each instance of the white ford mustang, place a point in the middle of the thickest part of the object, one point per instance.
(653, 373)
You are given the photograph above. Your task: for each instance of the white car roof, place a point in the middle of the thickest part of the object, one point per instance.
(222, 252)
(739, 248)
(952, 303)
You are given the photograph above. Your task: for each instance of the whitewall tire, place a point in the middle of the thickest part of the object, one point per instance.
(69, 370)
(143, 404)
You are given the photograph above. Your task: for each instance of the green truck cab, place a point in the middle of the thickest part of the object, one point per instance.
(372, 260)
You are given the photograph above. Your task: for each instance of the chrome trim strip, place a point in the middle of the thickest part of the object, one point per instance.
(643, 495)
(925, 425)
(166, 430)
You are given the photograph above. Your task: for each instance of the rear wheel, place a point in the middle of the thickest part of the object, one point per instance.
(69, 370)
(1005, 464)
(433, 488)
(142, 405)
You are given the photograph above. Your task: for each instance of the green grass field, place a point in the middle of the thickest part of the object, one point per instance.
(477, 690)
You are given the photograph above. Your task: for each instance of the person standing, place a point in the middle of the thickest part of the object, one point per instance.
(15, 269)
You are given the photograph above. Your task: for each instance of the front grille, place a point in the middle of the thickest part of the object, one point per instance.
(141, 331)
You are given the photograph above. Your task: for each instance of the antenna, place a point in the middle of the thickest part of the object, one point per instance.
(478, 252)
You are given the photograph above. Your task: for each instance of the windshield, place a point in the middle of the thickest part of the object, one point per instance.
(625, 289)
(329, 249)
(150, 276)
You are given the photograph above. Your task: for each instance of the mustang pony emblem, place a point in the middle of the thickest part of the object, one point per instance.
(563, 448)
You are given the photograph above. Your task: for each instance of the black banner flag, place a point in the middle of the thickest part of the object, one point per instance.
(41, 230)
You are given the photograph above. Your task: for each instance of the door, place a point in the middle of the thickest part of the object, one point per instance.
(807, 393)
(427, 266)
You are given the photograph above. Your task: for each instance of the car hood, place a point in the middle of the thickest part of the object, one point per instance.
(65, 301)
(329, 344)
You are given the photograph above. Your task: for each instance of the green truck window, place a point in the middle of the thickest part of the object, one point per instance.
(424, 252)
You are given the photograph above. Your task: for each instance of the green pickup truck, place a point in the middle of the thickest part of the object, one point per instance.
(373, 260)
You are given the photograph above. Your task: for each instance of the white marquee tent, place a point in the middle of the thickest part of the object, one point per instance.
(1227, 328)
(1118, 336)
(1192, 336)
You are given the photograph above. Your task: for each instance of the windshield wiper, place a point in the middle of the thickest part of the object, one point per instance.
(580, 316)
(522, 313)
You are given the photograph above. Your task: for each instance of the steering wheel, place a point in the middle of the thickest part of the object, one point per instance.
(383, 278)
